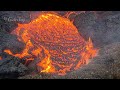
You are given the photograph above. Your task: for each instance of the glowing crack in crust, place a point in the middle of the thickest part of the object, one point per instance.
(57, 41)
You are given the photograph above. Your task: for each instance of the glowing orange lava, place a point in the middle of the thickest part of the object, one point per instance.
(55, 41)
(0, 58)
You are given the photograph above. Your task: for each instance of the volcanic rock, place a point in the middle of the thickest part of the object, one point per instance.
(9, 41)
(102, 26)
(6, 26)
(16, 16)
(12, 68)
(9, 19)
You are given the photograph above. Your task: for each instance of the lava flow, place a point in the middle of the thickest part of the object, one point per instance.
(0, 58)
(55, 42)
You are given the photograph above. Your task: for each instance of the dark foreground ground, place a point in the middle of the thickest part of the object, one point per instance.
(104, 29)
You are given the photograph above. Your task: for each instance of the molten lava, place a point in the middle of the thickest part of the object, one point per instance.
(0, 58)
(55, 42)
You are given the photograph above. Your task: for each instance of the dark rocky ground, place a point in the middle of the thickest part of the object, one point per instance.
(11, 68)
(103, 27)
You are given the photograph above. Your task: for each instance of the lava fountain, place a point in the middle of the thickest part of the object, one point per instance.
(55, 42)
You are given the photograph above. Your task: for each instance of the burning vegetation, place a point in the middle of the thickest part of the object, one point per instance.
(55, 43)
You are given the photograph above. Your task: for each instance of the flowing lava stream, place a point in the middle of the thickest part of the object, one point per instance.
(55, 42)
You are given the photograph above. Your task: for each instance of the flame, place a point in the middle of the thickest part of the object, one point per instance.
(55, 42)
(46, 63)
(89, 52)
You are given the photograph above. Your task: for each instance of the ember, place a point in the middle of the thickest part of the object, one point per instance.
(55, 42)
